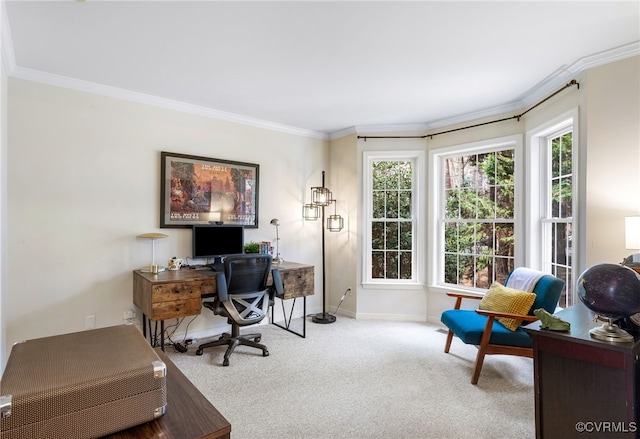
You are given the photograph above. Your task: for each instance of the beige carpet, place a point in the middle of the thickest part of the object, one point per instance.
(364, 379)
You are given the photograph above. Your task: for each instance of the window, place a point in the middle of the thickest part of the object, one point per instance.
(553, 146)
(475, 212)
(391, 185)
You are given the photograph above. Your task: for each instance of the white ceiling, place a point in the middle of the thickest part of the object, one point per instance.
(319, 68)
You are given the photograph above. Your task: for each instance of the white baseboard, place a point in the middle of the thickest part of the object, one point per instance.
(391, 317)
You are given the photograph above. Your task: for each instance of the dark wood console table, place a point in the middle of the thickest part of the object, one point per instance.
(584, 386)
(189, 414)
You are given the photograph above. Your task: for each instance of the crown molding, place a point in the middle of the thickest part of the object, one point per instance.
(550, 84)
(566, 73)
(114, 92)
(424, 127)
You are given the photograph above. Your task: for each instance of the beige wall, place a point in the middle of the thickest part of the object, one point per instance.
(341, 265)
(83, 181)
(613, 157)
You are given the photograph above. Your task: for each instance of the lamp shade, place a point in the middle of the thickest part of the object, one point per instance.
(310, 212)
(632, 232)
(335, 223)
(321, 196)
(152, 235)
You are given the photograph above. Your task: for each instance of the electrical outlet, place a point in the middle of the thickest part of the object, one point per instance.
(128, 314)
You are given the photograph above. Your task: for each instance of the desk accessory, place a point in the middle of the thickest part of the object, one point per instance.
(175, 263)
(278, 259)
(320, 198)
(612, 292)
(550, 321)
(153, 268)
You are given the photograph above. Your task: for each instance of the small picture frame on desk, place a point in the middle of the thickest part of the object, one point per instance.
(201, 190)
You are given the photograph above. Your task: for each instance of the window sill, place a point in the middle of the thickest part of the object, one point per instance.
(456, 289)
(391, 285)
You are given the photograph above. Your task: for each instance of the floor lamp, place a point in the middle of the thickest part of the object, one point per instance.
(321, 197)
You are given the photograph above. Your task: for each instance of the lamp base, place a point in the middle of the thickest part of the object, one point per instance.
(148, 270)
(277, 260)
(323, 318)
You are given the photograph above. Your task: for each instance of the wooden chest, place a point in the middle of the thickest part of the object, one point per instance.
(81, 385)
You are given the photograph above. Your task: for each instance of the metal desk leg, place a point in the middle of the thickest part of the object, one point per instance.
(162, 335)
(153, 336)
(287, 321)
(144, 325)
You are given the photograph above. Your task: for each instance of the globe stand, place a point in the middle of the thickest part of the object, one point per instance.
(610, 332)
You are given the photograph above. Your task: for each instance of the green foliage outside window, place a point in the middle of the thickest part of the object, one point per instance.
(392, 222)
(562, 175)
(479, 216)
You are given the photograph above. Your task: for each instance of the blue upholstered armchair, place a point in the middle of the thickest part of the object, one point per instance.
(483, 329)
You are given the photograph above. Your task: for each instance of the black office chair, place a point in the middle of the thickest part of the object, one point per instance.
(244, 298)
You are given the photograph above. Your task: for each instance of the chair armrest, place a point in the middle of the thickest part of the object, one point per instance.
(223, 293)
(465, 295)
(496, 314)
(277, 282)
(460, 296)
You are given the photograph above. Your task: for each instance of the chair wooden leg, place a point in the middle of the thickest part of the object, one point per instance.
(482, 350)
(448, 344)
(478, 368)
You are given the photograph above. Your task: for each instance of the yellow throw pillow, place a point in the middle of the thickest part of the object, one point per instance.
(504, 299)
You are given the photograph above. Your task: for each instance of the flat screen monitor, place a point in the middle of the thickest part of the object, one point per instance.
(213, 241)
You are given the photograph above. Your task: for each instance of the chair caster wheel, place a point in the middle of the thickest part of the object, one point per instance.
(265, 353)
(257, 339)
(199, 352)
(225, 362)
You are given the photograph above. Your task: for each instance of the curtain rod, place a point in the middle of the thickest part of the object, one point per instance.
(517, 116)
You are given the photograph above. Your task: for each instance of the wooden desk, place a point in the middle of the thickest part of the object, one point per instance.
(584, 383)
(298, 281)
(174, 294)
(189, 414)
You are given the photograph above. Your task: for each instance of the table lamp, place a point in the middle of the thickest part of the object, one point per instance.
(152, 237)
(632, 241)
(277, 259)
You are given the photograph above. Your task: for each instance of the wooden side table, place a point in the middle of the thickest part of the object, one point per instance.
(584, 385)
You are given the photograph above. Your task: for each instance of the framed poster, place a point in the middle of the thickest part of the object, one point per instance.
(200, 190)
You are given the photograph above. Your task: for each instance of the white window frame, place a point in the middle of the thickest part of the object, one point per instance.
(417, 157)
(538, 190)
(437, 202)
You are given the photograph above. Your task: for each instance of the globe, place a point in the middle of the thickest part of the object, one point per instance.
(610, 290)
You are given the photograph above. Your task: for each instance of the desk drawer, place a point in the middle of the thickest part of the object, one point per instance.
(175, 308)
(178, 291)
(298, 283)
